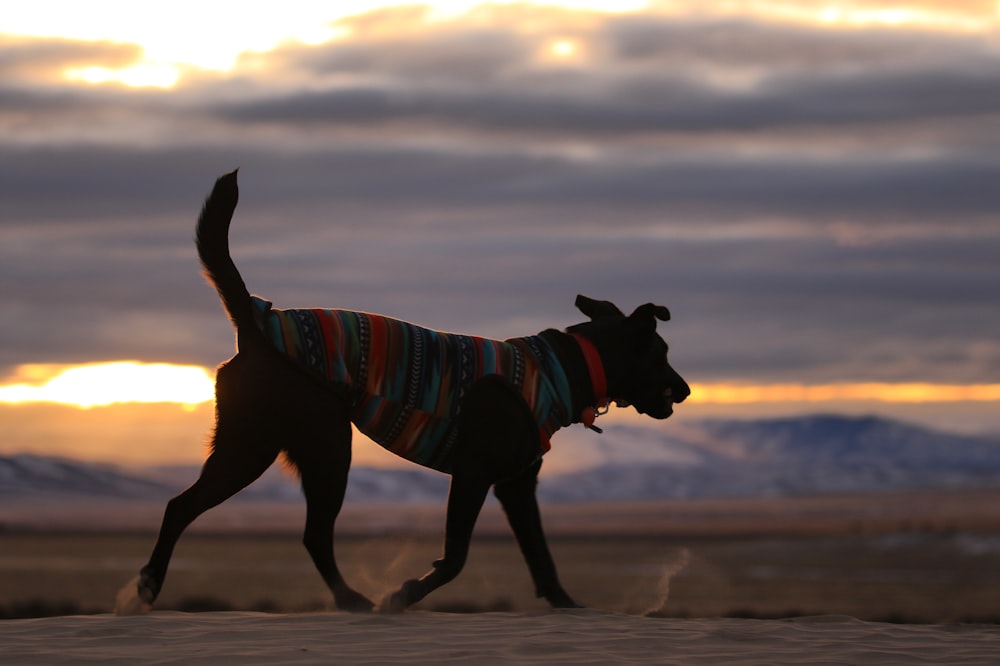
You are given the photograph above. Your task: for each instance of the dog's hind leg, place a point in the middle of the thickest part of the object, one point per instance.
(243, 447)
(517, 496)
(233, 465)
(323, 464)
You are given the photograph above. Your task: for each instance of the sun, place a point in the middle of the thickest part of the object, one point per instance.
(563, 48)
(101, 384)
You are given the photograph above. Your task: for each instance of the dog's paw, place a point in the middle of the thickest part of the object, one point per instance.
(392, 604)
(351, 601)
(568, 603)
(398, 601)
(559, 599)
(130, 599)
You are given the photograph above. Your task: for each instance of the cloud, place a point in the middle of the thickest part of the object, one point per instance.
(814, 205)
(31, 61)
(944, 195)
(641, 75)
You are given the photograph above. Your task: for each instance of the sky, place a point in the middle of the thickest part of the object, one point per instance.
(810, 187)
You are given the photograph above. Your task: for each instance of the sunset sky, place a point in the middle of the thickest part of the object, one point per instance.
(812, 188)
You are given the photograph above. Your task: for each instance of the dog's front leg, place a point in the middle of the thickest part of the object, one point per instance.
(465, 499)
(517, 496)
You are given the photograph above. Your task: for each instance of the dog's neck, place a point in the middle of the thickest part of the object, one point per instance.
(584, 371)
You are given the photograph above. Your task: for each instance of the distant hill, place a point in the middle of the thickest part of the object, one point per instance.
(723, 458)
(782, 457)
(27, 476)
(33, 476)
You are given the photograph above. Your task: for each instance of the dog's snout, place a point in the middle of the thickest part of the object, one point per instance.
(676, 394)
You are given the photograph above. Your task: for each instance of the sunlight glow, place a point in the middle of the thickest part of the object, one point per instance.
(734, 394)
(445, 9)
(101, 384)
(183, 33)
(563, 48)
(847, 14)
(137, 76)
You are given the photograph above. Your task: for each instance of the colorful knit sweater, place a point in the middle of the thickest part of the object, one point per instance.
(406, 383)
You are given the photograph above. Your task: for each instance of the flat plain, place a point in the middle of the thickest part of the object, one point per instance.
(926, 558)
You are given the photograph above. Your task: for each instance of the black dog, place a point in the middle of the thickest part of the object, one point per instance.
(273, 397)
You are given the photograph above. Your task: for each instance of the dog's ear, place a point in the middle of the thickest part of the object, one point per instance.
(651, 311)
(597, 309)
(642, 322)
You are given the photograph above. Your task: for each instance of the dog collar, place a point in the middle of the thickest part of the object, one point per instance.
(598, 381)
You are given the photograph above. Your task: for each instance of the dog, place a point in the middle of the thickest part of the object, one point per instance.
(480, 410)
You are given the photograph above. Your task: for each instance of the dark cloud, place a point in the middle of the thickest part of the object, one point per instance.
(97, 183)
(24, 106)
(944, 192)
(781, 47)
(658, 103)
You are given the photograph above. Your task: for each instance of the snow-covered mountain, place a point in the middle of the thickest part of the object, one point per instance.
(28, 476)
(31, 476)
(366, 484)
(775, 457)
(783, 457)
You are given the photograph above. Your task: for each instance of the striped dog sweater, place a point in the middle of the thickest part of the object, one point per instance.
(406, 383)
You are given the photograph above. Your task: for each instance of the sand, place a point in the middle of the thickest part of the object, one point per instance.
(556, 637)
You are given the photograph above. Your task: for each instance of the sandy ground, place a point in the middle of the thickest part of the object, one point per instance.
(919, 578)
(955, 510)
(558, 637)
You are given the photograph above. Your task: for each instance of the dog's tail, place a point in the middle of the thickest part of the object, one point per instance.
(212, 239)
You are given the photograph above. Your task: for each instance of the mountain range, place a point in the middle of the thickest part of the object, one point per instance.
(797, 456)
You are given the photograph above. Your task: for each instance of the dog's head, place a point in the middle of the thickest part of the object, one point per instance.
(634, 356)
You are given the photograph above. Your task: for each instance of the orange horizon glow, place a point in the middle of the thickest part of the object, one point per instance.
(100, 384)
(908, 392)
